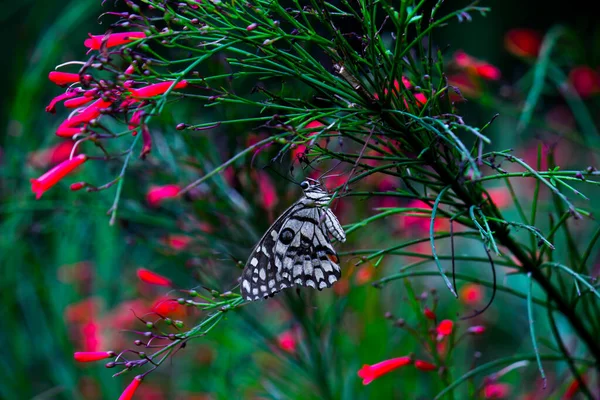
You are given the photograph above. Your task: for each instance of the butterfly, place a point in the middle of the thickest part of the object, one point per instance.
(296, 249)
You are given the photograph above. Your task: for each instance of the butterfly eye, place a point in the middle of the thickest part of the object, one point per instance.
(304, 185)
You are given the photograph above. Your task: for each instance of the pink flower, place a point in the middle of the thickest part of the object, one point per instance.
(370, 372)
(523, 42)
(51, 178)
(152, 277)
(130, 390)
(177, 242)
(91, 336)
(496, 390)
(301, 149)
(476, 330)
(94, 42)
(287, 341)
(157, 194)
(267, 191)
(88, 356)
(444, 328)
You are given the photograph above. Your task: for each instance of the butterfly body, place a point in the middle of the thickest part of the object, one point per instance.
(296, 249)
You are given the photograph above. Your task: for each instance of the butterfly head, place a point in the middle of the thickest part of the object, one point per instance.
(315, 192)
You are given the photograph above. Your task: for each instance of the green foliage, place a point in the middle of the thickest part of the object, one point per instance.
(366, 89)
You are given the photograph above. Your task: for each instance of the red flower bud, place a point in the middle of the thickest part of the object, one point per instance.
(89, 356)
(63, 78)
(429, 314)
(445, 327)
(78, 186)
(130, 390)
(152, 277)
(94, 42)
(252, 27)
(51, 178)
(156, 89)
(157, 194)
(424, 365)
(370, 372)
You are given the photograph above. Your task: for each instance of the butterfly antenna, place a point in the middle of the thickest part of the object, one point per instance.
(362, 152)
(281, 175)
(323, 175)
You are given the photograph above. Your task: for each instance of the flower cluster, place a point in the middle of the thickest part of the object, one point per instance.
(438, 339)
(130, 96)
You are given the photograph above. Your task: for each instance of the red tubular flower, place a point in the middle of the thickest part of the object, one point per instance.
(130, 390)
(63, 78)
(51, 178)
(152, 277)
(585, 80)
(156, 89)
(135, 120)
(429, 314)
(425, 366)
(496, 390)
(169, 308)
(523, 42)
(94, 42)
(78, 101)
(69, 127)
(301, 149)
(177, 242)
(90, 112)
(287, 341)
(51, 108)
(157, 194)
(266, 188)
(488, 71)
(573, 389)
(89, 356)
(67, 131)
(147, 142)
(370, 372)
(476, 330)
(445, 327)
(476, 67)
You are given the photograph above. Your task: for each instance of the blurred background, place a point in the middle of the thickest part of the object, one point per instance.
(68, 280)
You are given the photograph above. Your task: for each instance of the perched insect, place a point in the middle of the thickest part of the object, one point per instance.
(296, 249)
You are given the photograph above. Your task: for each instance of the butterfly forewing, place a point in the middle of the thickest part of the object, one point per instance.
(295, 250)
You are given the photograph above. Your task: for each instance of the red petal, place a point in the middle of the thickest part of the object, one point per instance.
(89, 356)
(152, 277)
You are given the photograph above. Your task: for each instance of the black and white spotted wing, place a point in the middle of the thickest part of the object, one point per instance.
(296, 249)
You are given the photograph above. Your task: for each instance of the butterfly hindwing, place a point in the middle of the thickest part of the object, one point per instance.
(295, 251)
